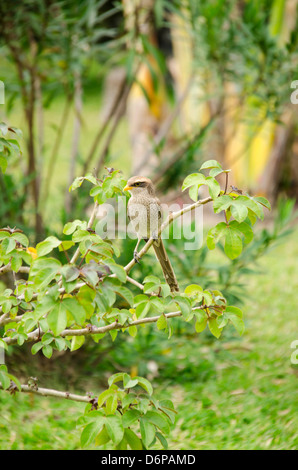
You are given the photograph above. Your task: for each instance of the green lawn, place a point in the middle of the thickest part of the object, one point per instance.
(252, 401)
(241, 394)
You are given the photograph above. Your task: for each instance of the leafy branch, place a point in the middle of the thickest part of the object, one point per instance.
(62, 299)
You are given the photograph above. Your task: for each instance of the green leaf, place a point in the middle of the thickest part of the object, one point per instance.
(8, 245)
(77, 183)
(158, 420)
(66, 245)
(47, 351)
(251, 204)
(76, 342)
(193, 181)
(118, 270)
(162, 440)
(20, 238)
(102, 438)
(233, 243)
(222, 203)
(133, 440)
(214, 328)
(91, 430)
(3, 163)
(16, 262)
(43, 271)
(130, 417)
(215, 234)
(71, 273)
(244, 228)
(263, 201)
(239, 211)
(36, 347)
(4, 378)
(70, 227)
(207, 298)
(141, 305)
(210, 164)
(147, 432)
(222, 320)
(194, 291)
(213, 185)
(116, 378)
(76, 310)
(161, 322)
(45, 247)
(111, 404)
(235, 315)
(57, 318)
(145, 384)
(201, 324)
(185, 306)
(125, 293)
(133, 331)
(114, 428)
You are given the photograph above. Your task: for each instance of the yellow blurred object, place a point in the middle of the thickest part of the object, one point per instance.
(144, 84)
(249, 133)
(260, 150)
(32, 251)
(133, 371)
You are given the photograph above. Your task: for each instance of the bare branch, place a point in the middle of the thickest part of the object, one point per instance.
(48, 392)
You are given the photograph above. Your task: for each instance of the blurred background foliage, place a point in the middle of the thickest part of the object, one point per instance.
(155, 88)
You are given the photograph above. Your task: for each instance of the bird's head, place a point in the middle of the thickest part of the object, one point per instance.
(139, 185)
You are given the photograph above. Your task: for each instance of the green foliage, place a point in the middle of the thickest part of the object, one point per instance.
(124, 414)
(8, 147)
(87, 293)
(241, 211)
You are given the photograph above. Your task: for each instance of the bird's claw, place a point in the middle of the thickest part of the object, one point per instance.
(136, 256)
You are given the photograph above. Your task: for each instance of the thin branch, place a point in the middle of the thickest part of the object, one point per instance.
(171, 217)
(134, 282)
(91, 330)
(48, 392)
(7, 268)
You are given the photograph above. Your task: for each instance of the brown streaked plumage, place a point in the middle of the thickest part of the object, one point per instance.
(144, 211)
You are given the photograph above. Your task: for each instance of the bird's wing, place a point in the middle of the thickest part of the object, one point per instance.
(131, 214)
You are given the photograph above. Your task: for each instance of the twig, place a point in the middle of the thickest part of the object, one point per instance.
(133, 281)
(48, 392)
(7, 268)
(91, 330)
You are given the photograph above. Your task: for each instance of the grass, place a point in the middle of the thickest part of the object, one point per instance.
(251, 403)
(235, 393)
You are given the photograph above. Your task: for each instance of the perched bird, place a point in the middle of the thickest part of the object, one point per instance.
(144, 211)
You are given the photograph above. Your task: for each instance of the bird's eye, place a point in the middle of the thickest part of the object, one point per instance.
(137, 184)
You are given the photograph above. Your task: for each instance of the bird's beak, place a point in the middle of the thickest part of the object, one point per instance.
(127, 188)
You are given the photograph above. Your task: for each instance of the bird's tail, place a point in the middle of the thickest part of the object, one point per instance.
(166, 266)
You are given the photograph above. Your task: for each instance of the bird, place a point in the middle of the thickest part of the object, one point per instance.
(145, 213)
